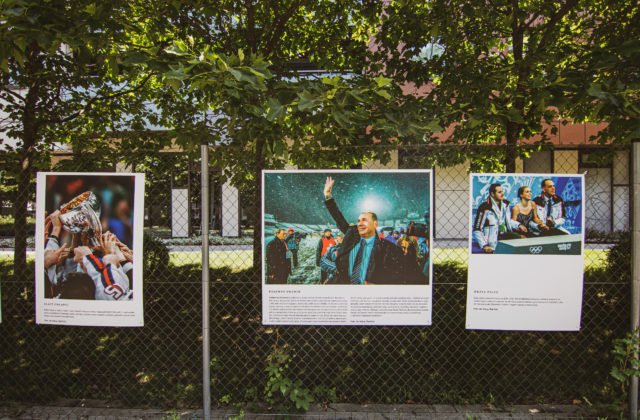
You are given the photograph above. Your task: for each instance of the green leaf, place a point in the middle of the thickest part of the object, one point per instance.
(14, 11)
(382, 81)
(434, 126)
(274, 110)
(617, 375)
(331, 81)
(173, 84)
(284, 389)
(340, 117)
(90, 8)
(596, 91)
(386, 95)
(179, 48)
(306, 101)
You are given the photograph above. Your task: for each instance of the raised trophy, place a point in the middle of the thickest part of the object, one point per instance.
(82, 215)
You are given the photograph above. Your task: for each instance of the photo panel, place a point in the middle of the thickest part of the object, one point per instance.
(347, 247)
(89, 229)
(526, 242)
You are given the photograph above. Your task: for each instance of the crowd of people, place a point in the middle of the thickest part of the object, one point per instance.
(496, 220)
(358, 254)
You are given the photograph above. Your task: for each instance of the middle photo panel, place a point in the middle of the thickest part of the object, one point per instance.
(349, 247)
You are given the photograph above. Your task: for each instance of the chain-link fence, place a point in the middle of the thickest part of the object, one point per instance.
(160, 364)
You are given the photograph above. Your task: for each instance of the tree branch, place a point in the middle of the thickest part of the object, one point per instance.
(251, 30)
(566, 8)
(95, 99)
(533, 18)
(51, 101)
(281, 21)
(14, 94)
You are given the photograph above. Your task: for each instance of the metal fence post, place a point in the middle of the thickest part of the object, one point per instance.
(635, 267)
(204, 197)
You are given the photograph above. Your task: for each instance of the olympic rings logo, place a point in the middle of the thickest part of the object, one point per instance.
(535, 249)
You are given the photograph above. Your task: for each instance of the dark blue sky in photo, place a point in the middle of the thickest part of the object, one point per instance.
(296, 197)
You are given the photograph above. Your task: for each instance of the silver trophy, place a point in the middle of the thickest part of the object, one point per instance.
(82, 215)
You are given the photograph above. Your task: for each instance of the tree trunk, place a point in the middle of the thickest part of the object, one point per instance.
(511, 154)
(22, 193)
(513, 129)
(257, 207)
(27, 153)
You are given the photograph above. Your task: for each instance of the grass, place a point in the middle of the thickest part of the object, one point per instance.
(242, 259)
(593, 258)
(235, 260)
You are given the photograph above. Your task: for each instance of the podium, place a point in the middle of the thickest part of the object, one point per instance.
(546, 245)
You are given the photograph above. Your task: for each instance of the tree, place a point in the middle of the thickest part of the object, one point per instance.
(605, 83)
(495, 70)
(63, 77)
(237, 84)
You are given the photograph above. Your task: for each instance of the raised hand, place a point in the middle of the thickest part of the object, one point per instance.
(79, 253)
(63, 253)
(328, 186)
(52, 222)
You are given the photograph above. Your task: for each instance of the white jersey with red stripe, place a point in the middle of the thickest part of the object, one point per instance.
(111, 281)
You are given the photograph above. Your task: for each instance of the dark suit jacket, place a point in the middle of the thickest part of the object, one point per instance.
(385, 264)
(277, 263)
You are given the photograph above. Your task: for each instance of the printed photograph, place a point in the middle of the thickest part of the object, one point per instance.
(88, 237)
(347, 227)
(526, 214)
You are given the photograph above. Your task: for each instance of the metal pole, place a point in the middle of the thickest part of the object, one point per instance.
(635, 269)
(204, 217)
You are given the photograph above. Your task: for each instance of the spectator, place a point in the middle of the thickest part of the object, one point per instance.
(326, 241)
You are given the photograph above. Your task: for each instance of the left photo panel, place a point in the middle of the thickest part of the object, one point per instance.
(89, 229)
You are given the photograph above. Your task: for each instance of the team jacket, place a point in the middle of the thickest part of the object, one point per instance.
(557, 214)
(58, 273)
(489, 218)
(111, 282)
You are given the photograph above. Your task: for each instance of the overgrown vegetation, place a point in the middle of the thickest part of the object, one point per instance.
(281, 391)
(7, 225)
(160, 363)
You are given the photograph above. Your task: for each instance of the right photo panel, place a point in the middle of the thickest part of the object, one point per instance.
(526, 242)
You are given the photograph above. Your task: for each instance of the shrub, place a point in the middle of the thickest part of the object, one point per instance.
(155, 253)
(7, 225)
(619, 258)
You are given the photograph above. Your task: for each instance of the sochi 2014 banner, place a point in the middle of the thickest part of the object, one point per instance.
(89, 249)
(347, 247)
(526, 252)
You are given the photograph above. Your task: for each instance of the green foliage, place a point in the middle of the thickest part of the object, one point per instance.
(325, 395)
(280, 390)
(7, 223)
(506, 70)
(160, 364)
(619, 257)
(63, 79)
(156, 255)
(626, 364)
(607, 86)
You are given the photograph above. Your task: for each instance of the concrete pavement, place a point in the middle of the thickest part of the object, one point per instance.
(82, 409)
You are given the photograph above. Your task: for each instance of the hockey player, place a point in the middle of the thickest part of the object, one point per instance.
(109, 274)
